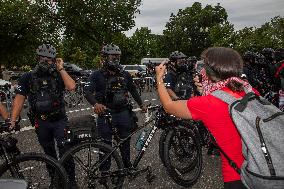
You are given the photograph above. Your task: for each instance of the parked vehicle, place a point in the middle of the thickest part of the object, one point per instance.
(134, 69)
(155, 61)
(75, 71)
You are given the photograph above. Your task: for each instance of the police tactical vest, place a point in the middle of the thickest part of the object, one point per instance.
(45, 94)
(116, 92)
(183, 86)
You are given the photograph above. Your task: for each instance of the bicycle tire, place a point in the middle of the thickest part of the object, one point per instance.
(188, 175)
(162, 145)
(22, 161)
(91, 176)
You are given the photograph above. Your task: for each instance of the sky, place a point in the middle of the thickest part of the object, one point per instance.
(154, 14)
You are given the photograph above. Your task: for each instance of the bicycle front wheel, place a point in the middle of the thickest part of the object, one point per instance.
(162, 145)
(183, 156)
(88, 158)
(38, 170)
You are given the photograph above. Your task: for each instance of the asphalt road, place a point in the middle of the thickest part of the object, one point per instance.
(211, 174)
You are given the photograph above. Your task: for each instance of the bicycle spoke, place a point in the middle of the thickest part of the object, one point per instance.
(80, 162)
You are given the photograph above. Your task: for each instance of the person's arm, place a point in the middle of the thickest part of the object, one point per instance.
(172, 94)
(4, 113)
(133, 90)
(176, 108)
(68, 81)
(22, 90)
(89, 90)
(17, 107)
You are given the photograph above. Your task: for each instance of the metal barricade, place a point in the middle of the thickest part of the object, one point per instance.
(150, 83)
(6, 94)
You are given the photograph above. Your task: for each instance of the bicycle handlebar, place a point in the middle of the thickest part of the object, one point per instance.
(154, 107)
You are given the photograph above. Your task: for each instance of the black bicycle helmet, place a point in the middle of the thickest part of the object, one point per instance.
(269, 54)
(267, 51)
(177, 55)
(46, 50)
(111, 49)
(248, 55)
(192, 58)
(111, 64)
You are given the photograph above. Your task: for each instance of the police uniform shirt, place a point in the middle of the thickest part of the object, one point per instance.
(170, 80)
(24, 86)
(95, 88)
(180, 84)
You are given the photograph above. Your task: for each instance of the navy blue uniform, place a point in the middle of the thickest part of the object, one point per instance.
(47, 127)
(180, 83)
(96, 91)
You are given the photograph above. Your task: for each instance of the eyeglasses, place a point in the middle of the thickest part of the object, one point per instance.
(45, 59)
(112, 57)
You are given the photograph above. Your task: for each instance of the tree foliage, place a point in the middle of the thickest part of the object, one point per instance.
(89, 24)
(270, 34)
(24, 25)
(188, 31)
(144, 44)
(79, 28)
(222, 35)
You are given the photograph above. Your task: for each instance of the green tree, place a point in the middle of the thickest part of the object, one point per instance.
(89, 24)
(144, 44)
(24, 25)
(222, 35)
(188, 31)
(269, 35)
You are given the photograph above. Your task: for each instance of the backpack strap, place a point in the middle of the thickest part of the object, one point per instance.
(224, 96)
(231, 162)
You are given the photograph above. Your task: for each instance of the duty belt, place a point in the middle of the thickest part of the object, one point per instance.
(51, 116)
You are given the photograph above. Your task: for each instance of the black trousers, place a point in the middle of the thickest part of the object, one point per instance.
(122, 122)
(234, 185)
(46, 132)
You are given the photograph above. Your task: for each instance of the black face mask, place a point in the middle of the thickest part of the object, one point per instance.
(181, 67)
(113, 66)
(45, 68)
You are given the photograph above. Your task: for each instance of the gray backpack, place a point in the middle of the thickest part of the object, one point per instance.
(261, 126)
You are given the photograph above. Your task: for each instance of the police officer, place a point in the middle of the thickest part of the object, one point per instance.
(178, 79)
(44, 86)
(108, 87)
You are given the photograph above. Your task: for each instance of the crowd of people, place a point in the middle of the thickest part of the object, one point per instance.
(263, 70)
(183, 91)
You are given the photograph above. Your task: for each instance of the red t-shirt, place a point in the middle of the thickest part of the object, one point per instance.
(214, 114)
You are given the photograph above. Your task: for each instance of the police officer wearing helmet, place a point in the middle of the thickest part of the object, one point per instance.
(108, 87)
(178, 78)
(44, 87)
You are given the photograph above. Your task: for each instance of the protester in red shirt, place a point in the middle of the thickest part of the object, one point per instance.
(222, 70)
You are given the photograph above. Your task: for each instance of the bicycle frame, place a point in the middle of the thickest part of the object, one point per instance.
(121, 141)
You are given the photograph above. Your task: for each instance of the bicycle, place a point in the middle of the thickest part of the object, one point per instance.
(180, 149)
(38, 170)
(90, 154)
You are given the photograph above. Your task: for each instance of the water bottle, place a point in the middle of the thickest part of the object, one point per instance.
(141, 140)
